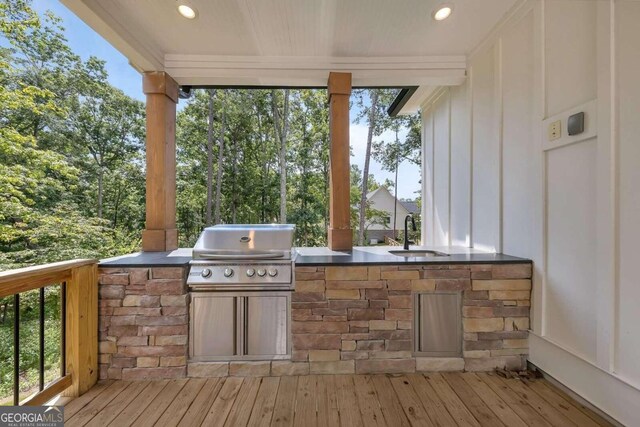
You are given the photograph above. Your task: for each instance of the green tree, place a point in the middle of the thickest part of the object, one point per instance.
(308, 167)
(40, 58)
(106, 125)
(372, 105)
(43, 215)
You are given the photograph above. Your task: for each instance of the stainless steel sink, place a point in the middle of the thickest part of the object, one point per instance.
(416, 253)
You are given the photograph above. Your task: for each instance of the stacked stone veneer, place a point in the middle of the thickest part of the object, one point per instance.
(143, 323)
(360, 319)
(344, 320)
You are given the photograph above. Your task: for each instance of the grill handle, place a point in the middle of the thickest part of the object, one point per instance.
(265, 255)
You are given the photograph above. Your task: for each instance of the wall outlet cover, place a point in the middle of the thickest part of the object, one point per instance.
(575, 124)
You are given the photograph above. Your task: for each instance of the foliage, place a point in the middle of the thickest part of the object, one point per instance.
(251, 171)
(397, 150)
(56, 113)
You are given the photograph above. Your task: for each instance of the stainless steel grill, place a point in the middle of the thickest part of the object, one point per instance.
(249, 256)
(240, 282)
(245, 241)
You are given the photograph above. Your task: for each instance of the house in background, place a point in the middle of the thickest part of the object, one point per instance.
(382, 200)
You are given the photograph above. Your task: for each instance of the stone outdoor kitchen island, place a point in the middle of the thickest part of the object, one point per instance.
(352, 315)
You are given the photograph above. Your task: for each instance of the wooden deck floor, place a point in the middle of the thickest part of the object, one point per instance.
(448, 399)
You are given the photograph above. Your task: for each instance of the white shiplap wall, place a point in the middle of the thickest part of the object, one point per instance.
(573, 206)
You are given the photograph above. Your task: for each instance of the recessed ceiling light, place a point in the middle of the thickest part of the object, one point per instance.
(187, 10)
(442, 12)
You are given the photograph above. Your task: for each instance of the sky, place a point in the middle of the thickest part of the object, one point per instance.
(86, 42)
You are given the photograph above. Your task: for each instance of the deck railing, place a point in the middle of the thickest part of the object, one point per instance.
(78, 281)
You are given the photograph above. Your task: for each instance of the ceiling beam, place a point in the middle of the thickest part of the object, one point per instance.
(312, 71)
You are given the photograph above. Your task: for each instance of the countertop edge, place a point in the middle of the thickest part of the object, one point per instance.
(182, 257)
(421, 262)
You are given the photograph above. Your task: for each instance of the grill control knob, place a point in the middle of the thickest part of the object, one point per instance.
(228, 272)
(261, 272)
(251, 272)
(206, 273)
(273, 272)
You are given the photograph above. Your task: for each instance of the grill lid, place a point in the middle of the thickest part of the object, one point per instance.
(245, 241)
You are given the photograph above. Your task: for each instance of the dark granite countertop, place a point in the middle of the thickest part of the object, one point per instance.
(179, 257)
(325, 256)
(380, 255)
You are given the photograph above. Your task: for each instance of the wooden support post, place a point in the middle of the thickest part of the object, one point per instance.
(340, 234)
(160, 233)
(82, 329)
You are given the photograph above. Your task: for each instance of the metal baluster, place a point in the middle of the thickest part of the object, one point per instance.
(63, 326)
(16, 349)
(41, 339)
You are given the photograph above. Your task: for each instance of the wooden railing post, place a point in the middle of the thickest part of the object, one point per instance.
(340, 234)
(82, 329)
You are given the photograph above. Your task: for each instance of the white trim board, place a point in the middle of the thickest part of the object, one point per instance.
(603, 390)
(313, 71)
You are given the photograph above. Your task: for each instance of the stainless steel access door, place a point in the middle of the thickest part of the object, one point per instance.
(214, 325)
(266, 325)
(438, 324)
(239, 325)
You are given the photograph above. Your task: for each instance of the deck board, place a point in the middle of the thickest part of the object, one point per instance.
(128, 416)
(221, 407)
(72, 407)
(526, 412)
(347, 401)
(431, 401)
(327, 401)
(457, 408)
(95, 407)
(449, 399)
(199, 408)
(156, 408)
(411, 403)
(478, 408)
(551, 414)
(241, 410)
(588, 412)
(264, 405)
(305, 409)
(174, 413)
(284, 410)
(389, 402)
(370, 409)
(113, 409)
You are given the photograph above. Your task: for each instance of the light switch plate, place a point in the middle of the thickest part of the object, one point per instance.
(555, 130)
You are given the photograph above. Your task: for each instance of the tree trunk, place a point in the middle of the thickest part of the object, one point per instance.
(116, 206)
(259, 157)
(282, 129)
(220, 161)
(211, 94)
(365, 174)
(100, 190)
(395, 191)
(234, 193)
